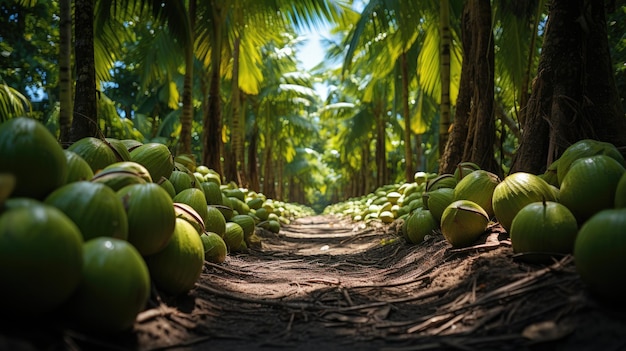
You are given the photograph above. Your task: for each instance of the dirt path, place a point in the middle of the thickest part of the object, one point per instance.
(327, 284)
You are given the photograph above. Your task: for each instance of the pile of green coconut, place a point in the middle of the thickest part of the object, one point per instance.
(85, 231)
(577, 207)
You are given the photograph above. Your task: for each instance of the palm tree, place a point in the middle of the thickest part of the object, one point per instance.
(262, 15)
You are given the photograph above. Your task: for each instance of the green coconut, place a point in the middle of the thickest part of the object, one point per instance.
(478, 186)
(77, 168)
(233, 236)
(40, 258)
(543, 229)
(119, 149)
(600, 252)
(215, 249)
(462, 222)
(516, 191)
(32, 154)
(262, 214)
(114, 288)
(188, 160)
(187, 213)
(420, 177)
(213, 193)
(94, 208)
(204, 170)
(96, 152)
(585, 148)
(255, 203)
(120, 174)
(7, 184)
(239, 206)
(419, 224)
(215, 221)
(177, 267)
(151, 216)
(463, 169)
(441, 181)
(195, 198)
(620, 193)
(551, 174)
(180, 180)
(438, 200)
(247, 224)
(168, 187)
(131, 144)
(157, 159)
(590, 184)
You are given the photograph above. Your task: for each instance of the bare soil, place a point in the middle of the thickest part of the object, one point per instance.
(326, 283)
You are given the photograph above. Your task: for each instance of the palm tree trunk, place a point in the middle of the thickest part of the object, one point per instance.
(268, 173)
(238, 124)
(453, 153)
(446, 39)
(408, 155)
(212, 137)
(85, 121)
(253, 170)
(532, 53)
(187, 113)
(574, 96)
(381, 152)
(65, 70)
(479, 145)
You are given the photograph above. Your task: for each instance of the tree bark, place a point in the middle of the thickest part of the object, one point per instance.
(186, 120)
(212, 121)
(481, 137)
(85, 121)
(65, 70)
(446, 39)
(473, 133)
(408, 155)
(453, 153)
(253, 169)
(574, 95)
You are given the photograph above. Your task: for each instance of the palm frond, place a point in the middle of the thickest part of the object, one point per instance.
(12, 103)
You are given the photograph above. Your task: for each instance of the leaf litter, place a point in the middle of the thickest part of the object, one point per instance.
(325, 282)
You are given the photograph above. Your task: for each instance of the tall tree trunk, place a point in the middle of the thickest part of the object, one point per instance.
(237, 132)
(365, 182)
(85, 121)
(253, 168)
(65, 70)
(418, 151)
(473, 132)
(268, 173)
(481, 135)
(524, 91)
(446, 40)
(408, 154)
(212, 137)
(186, 120)
(381, 152)
(574, 95)
(453, 153)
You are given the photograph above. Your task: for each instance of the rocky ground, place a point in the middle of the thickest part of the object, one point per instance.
(326, 283)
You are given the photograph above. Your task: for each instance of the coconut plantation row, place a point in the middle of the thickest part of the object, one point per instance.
(99, 221)
(577, 207)
(111, 218)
